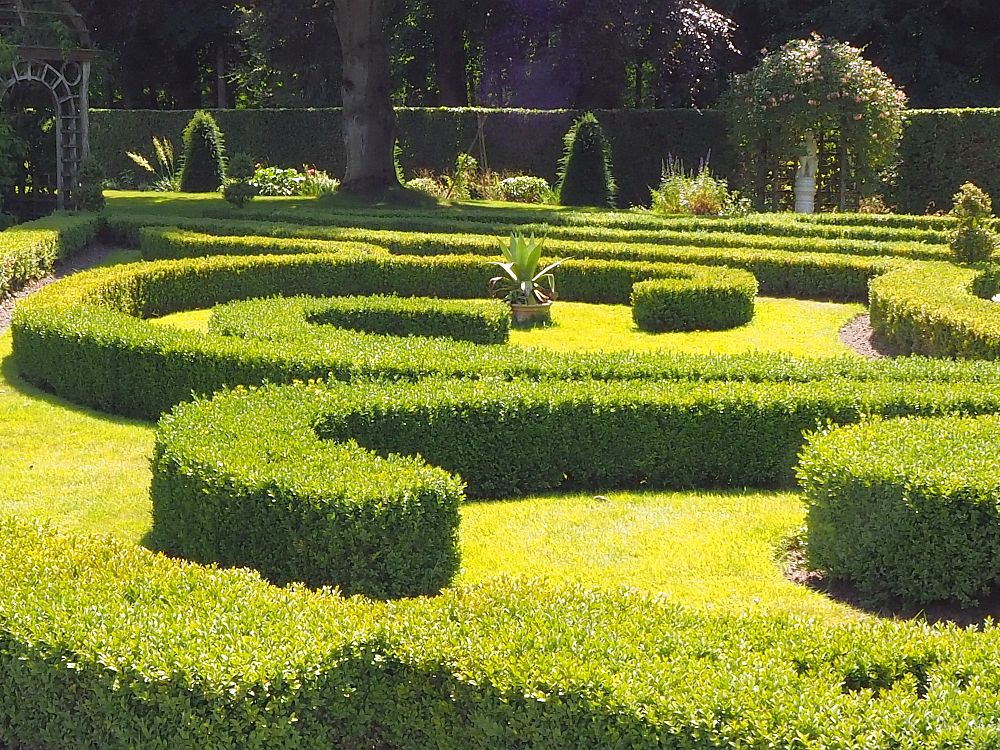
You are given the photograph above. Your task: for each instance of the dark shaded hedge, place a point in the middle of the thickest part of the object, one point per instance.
(940, 149)
(907, 508)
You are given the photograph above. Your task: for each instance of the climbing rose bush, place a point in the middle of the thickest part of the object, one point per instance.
(821, 85)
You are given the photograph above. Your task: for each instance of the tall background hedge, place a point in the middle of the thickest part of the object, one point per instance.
(941, 149)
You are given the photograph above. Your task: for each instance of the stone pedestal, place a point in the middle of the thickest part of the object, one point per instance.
(805, 195)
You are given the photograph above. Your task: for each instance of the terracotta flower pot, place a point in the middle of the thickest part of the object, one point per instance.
(529, 315)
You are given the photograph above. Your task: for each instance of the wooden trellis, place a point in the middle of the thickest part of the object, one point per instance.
(64, 71)
(836, 189)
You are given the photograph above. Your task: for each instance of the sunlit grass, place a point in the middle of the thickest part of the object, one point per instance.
(808, 329)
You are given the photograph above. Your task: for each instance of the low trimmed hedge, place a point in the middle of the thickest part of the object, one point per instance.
(106, 646)
(258, 487)
(83, 338)
(766, 234)
(29, 251)
(706, 301)
(478, 321)
(934, 309)
(907, 507)
(605, 273)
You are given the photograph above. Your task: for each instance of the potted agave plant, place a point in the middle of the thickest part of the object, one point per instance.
(529, 291)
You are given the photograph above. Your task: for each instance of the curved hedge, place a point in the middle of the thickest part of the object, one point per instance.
(106, 646)
(258, 487)
(29, 251)
(84, 339)
(478, 321)
(614, 267)
(907, 507)
(933, 309)
(701, 300)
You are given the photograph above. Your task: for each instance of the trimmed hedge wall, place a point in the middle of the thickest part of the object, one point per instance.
(933, 309)
(256, 486)
(29, 251)
(106, 646)
(606, 274)
(478, 321)
(940, 150)
(712, 301)
(907, 507)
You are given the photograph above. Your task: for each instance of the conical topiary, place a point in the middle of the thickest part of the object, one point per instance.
(204, 167)
(585, 177)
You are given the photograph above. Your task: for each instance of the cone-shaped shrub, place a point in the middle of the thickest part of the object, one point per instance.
(585, 177)
(204, 167)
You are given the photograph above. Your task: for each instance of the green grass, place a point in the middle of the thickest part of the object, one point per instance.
(808, 329)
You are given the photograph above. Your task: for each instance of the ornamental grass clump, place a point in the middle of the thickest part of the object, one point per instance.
(973, 241)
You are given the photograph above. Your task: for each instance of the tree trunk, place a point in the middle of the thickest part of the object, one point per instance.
(369, 120)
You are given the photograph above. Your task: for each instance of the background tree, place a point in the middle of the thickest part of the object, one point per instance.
(369, 119)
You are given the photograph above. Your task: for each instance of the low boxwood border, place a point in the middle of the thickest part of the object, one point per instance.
(907, 507)
(29, 251)
(933, 309)
(712, 301)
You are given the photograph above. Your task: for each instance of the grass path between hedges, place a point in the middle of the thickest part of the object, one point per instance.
(88, 472)
(797, 327)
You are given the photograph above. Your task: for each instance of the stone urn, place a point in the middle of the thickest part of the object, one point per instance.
(530, 315)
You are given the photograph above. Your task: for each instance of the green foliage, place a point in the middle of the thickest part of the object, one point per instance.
(823, 86)
(585, 174)
(700, 300)
(478, 321)
(931, 309)
(972, 241)
(606, 278)
(204, 165)
(316, 511)
(162, 166)
(280, 181)
(906, 507)
(458, 185)
(697, 194)
(525, 189)
(523, 282)
(238, 189)
(29, 251)
(89, 194)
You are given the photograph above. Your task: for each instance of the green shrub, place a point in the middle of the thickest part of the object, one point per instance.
(108, 646)
(238, 189)
(930, 309)
(585, 174)
(906, 508)
(29, 251)
(704, 300)
(525, 189)
(89, 194)
(204, 164)
(313, 511)
(607, 277)
(972, 241)
(478, 321)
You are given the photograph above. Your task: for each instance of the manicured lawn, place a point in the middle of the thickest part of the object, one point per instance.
(797, 327)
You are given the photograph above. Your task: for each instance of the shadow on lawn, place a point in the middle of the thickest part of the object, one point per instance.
(797, 571)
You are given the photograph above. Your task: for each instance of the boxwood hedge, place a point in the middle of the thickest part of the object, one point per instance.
(935, 309)
(29, 251)
(907, 507)
(105, 646)
(259, 488)
(613, 268)
(710, 301)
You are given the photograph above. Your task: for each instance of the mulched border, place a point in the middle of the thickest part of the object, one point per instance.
(861, 337)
